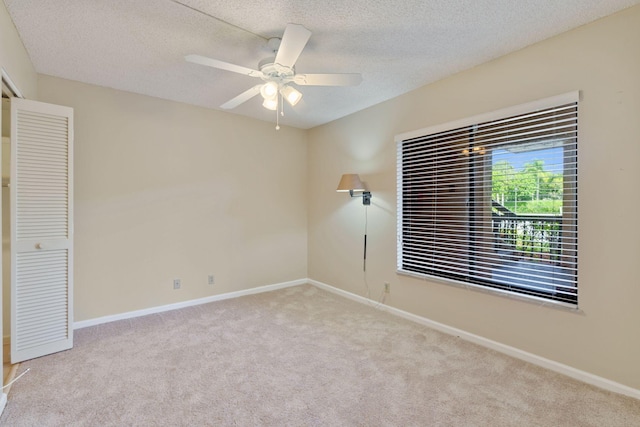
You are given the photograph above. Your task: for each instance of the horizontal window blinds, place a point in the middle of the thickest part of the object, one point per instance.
(494, 204)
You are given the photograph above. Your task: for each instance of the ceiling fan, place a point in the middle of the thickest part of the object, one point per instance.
(278, 73)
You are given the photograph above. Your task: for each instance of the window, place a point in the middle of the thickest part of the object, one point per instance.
(492, 201)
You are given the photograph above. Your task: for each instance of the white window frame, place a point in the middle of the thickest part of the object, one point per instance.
(567, 98)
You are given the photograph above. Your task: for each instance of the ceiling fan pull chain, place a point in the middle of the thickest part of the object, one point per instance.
(282, 104)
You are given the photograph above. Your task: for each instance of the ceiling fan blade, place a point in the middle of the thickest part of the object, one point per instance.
(294, 39)
(243, 97)
(328, 79)
(209, 62)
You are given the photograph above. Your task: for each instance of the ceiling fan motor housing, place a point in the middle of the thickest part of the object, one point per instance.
(275, 72)
(274, 43)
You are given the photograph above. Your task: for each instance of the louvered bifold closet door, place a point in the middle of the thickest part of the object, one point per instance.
(41, 229)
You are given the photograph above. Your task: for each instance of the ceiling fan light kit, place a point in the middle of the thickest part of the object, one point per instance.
(270, 103)
(279, 73)
(269, 90)
(291, 94)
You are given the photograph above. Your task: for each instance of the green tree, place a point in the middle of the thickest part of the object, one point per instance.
(529, 179)
(502, 178)
(530, 190)
(551, 186)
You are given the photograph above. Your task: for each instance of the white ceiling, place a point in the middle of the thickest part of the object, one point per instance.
(139, 45)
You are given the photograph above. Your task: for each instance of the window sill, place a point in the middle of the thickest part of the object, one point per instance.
(530, 299)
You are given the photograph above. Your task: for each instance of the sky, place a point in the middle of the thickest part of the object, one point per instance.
(552, 158)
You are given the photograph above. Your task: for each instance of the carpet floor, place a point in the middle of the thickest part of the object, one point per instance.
(299, 356)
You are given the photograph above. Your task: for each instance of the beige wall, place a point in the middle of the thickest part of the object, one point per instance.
(600, 59)
(164, 190)
(14, 58)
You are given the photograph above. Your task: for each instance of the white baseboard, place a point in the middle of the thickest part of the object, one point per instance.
(494, 345)
(153, 310)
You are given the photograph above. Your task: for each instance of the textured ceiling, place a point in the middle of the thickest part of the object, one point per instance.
(139, 45)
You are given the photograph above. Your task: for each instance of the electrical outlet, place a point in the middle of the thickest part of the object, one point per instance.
(387, 287)
(211, 279)
(177, 283)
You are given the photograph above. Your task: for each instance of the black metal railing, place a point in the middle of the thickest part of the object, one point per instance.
(527, 236)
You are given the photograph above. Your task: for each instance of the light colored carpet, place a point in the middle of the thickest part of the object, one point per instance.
(295, 357)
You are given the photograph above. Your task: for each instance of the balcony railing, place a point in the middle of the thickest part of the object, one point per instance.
(535, 237)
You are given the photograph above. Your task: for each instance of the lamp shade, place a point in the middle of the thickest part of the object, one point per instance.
(270, 103)
(291, 95)
(350, 182)
(269, 90)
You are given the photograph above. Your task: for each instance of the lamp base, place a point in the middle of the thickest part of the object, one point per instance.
(366, 198)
